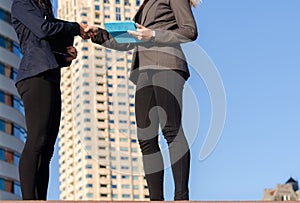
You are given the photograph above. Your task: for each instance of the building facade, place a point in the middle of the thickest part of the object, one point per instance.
(283, 192)
(12, 122)
(99, 154)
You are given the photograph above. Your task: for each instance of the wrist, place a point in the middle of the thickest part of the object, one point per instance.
(153, 35)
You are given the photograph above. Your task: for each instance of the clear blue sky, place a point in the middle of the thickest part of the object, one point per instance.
(255, 46)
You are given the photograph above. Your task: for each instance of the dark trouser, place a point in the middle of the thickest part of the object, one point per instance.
(158, 101)
(42, 103)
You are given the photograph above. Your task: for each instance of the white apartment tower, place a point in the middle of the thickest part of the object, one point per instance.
(99, 154)
(12, 121)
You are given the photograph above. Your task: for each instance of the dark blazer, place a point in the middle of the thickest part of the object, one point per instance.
(39, 35)
(173, 23)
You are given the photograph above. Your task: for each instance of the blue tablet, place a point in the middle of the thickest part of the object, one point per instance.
(119, 31)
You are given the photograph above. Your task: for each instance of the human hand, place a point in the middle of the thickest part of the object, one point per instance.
(83, 34)
(71, 53)
(92, 31)
(141, 33)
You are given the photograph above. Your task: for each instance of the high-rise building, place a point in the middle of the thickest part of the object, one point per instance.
(12, 122)
(99, 154)
(283, 192)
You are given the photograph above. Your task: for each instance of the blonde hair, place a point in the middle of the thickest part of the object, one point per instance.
(194, 2)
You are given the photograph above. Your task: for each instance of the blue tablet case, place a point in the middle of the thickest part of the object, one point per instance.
(119, 31)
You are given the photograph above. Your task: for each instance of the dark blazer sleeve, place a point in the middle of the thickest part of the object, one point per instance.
(105, 39)
(187, 29)
(34, 20)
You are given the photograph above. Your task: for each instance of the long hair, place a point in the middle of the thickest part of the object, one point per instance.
(194, 3)
(46, 5)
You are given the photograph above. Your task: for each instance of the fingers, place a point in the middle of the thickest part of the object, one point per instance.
(134, 33)
(141, 33)
(72, 53)
(92, 31)
(139, 26)
(83, 34)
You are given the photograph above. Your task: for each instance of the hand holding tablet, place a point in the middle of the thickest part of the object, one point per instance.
(120, 31)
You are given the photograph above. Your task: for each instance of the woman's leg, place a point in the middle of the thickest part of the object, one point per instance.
(147, 124)
(168, 93)
(44, 162)
(37, 96)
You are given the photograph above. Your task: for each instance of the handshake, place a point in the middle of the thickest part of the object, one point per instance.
(87, 31)
(141, 33)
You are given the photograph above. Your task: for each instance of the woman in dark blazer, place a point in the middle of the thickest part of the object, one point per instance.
(159, 70)
(46, 45)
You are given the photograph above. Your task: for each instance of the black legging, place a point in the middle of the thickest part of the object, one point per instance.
(159, 101)
(42, 103)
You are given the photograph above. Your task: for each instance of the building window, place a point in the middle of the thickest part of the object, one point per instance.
(125, 177)
(97, 7)
(87, 120)
(123, 131)
(121, 77)
(12, 101)
(126, 195)
(88, 166)
(102, 166)
(10, 186)
(118, 14)
(86, 111)
(88, 157)
(123, 158)
(9, 156)
(89, 185)
(123, 139)
(124, 167)
(13, 129)
(8, 71)
(88, 138)
(87, 129)
(4, 15)
(125, 186)
(121, 94)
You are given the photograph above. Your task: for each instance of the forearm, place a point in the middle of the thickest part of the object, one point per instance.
(105, 39)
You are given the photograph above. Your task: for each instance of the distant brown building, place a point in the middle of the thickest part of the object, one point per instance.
(283, 192)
